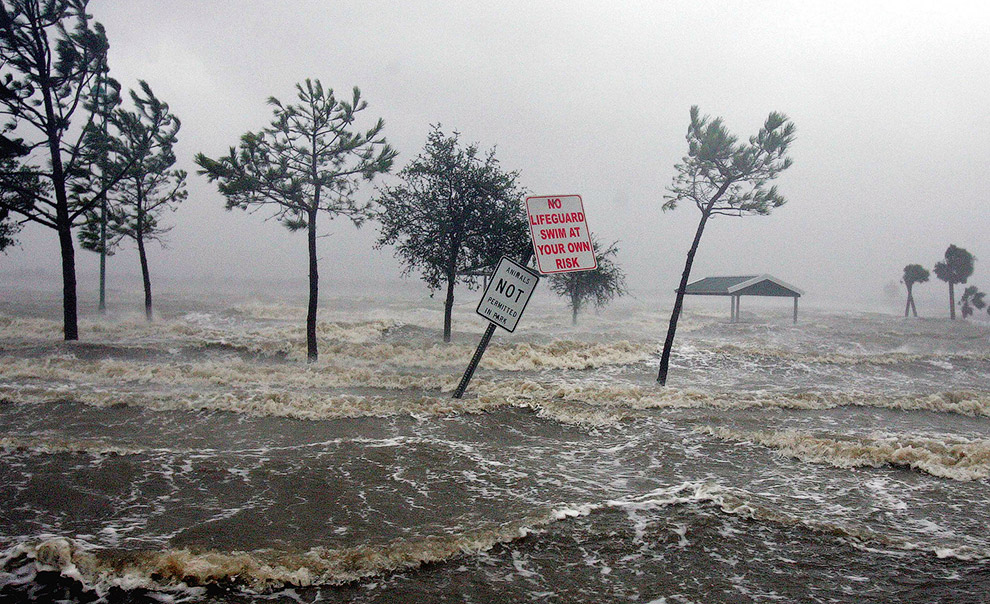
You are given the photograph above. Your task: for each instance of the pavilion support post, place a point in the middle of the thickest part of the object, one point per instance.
(795, 308)
(738, 301)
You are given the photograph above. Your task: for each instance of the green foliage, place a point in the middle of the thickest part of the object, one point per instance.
(957, 266)
(51, 56)
(309, 159)
(915, 273)
(972, 299)
(722, 176)
(598, 287)
(455, 213)
(142, 150)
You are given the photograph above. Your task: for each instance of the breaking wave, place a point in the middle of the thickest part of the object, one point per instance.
(189, 572)
(956, 459)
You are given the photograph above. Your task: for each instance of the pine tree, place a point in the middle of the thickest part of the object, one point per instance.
(143, 150)
(723, 177)
(310, 160)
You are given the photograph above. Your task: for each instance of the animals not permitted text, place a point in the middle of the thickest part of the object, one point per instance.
(507, 294)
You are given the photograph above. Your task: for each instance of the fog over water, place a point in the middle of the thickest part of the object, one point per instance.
(589, 98)
(842, 457)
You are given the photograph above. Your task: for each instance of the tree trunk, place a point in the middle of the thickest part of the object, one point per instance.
(914, 308)
(70, 319)
(146, 276)
(679, 300)
(575, 307)
(314, 290)
(952, 301)
(907, 306)
(448, 308)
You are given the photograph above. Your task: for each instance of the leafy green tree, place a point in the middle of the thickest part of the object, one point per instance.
(309, 160)
(143, 150)
(972, 300)
(956, 268)
(51, 54)
(721, 176)
(913, 273)
(454, 215)
(598, 287)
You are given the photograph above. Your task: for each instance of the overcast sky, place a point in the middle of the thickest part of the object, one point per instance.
(592, 98)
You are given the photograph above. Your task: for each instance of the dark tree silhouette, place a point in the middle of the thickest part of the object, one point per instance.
(723, 177)
(972, 300)
(143, 150)
(310, 159)
(598, 287)
(11, 149)
(50, 57)
(913, 273)
(956, 268)
(454, 215)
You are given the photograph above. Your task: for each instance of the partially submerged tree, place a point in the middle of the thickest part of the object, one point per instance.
(50, 57)
(454, 215)
(143, 150)
(723, 177)
(972, 300)
(956, 268)
(913, 273)
(311, 159)
(598, 287)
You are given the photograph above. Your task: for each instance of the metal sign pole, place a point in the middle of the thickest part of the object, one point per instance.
(482, 345)
(469, 372)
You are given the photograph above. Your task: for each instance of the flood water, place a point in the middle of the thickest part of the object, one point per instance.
(200, 458)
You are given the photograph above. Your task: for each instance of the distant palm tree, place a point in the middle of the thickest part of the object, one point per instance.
(913, 273)
(971, 298)
(957, 268)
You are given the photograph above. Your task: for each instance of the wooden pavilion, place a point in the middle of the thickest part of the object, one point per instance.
(748, 285)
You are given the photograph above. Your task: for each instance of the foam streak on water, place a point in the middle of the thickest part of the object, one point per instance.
(199, 458)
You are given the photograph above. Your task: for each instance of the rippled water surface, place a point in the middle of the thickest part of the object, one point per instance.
(199, 458)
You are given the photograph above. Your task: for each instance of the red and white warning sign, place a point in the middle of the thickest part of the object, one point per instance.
(560, 234)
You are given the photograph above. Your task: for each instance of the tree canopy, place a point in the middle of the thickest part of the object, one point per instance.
(955, 269)
(454, 215)
(143, 150)
(972, 300)
(913, 273)
(722, 176)
(309, 160)
(51, 55)
(598, 287)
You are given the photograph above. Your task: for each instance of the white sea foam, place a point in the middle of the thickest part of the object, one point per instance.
(953, 458)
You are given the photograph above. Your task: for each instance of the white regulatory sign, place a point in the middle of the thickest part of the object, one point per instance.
(560, 234)
(507, 293)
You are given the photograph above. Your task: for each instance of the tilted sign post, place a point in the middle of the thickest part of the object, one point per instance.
(562, 243)
(502, 304)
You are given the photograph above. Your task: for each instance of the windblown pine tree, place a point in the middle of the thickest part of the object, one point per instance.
(311, 159)
(913, 273)
(722, 177)
(143, 151)
(455, 214)
(51, 55)
(598, 287)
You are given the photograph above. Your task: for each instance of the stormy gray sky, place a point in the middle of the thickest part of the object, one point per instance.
(592, 98)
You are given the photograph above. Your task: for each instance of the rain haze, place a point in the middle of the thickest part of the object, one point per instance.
(547, 440)
(588, 98)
